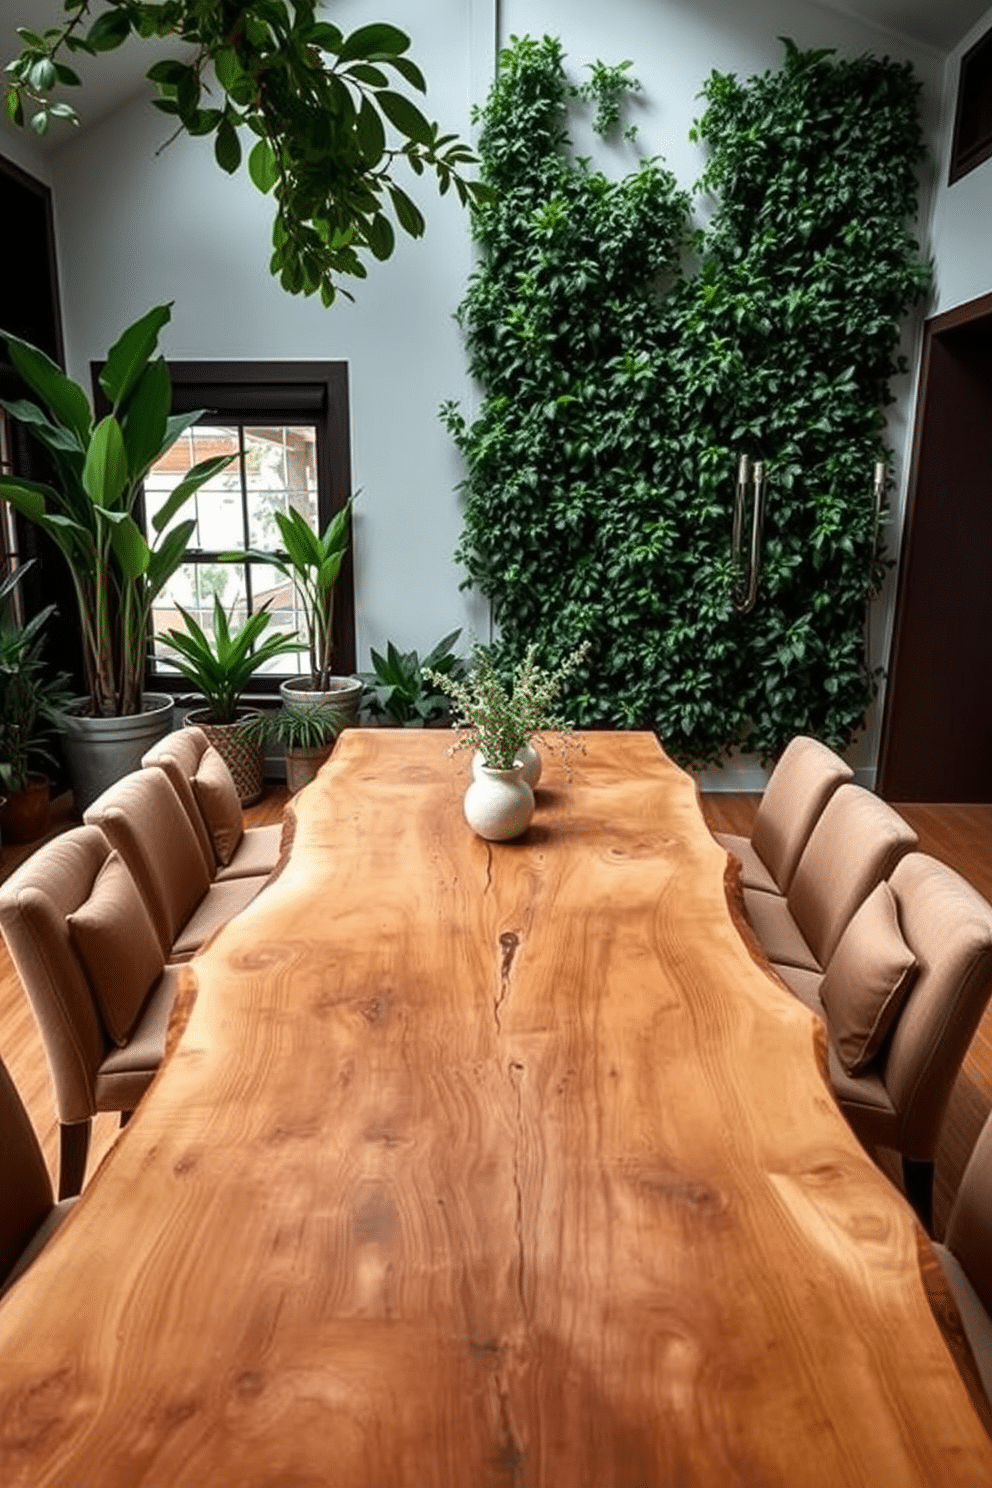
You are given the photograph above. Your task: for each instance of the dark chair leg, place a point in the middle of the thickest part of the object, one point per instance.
(75, 1146)
(917, 1180)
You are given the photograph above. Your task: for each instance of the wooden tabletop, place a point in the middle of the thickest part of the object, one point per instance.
(484, 1164)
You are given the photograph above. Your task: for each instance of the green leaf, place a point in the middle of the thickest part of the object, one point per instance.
(372, 42)
(30, 498)
(228, 69)
(262, 166)
(407, 212)
(12, 103)
(371, 135)
(380, 235)
(109, 31)
(130, 353)
(169, 72)
(227, 147)
(65, 398)
(143, 422)
(406, 117)
(410, 71)
(105, 472)
(129, 545)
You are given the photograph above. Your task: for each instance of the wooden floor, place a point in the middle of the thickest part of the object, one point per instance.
(958, 835)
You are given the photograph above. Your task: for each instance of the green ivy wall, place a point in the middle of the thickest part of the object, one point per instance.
(628, 361)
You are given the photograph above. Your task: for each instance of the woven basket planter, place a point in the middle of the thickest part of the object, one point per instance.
(241, 756)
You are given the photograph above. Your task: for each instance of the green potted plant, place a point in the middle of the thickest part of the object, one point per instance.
(399, 691)
(31, 700)
(312, 562)
(499, 722)
(306, 734)
(219, 670)
(90, 513)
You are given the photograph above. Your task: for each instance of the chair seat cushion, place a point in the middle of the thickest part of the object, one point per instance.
(221, 903)
(867, 980)
(256, 854)
(977, 1323)
(805, 984)
(778, 931)
(217, 798)
(754, 874)
(117, 943)
(126, 1073)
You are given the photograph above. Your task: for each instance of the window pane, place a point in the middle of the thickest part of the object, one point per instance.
(280, 472)
(217, 505)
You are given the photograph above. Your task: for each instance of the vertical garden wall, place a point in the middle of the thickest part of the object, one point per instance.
(627, 362)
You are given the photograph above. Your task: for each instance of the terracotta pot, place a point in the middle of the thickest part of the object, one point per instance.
(302, 765)
(24, 815)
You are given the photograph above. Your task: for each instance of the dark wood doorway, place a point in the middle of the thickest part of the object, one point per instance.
(937, 730)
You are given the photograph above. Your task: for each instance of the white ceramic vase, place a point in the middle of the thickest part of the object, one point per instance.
(499, 803)
(527, 757)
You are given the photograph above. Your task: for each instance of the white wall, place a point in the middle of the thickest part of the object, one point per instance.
(136, 227)
(962, 213)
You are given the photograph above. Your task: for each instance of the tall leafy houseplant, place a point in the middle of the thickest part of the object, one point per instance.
(624, 379)
(89, 511)
(328, 125)
(312, 562)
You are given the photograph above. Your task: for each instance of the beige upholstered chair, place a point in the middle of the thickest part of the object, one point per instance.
(806, 776)
(28, 1215)
(899, 1097)
(198, 773)
(966, 1254)
(91, 964)
(857, 841)
(143, 818)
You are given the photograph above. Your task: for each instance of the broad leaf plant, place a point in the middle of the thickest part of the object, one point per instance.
(325, 123)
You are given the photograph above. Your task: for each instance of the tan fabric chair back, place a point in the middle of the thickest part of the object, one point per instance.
(24, 1181)
(969, 1228)
(34, 903)
(806, 776)
(179, 755)
(857, 842)
(948, 926)
(143, 818)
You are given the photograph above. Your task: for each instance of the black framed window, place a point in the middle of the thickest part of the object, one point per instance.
(973, 115)
(285, 426)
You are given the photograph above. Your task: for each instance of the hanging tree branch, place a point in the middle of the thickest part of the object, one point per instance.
(321, 105)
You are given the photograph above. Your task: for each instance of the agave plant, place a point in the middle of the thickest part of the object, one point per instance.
(221, 668)
(90, 512)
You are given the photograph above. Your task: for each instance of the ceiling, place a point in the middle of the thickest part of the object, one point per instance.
(112, 78)
(938, 23)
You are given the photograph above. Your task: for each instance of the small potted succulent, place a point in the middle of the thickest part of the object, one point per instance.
(219, 670)
(306, 734)
(500, 722)
(31, 702)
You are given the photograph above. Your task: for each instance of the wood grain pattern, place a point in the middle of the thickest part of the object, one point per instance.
(481, 1164)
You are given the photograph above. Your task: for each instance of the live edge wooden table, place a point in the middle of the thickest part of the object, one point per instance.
(481, 1164)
